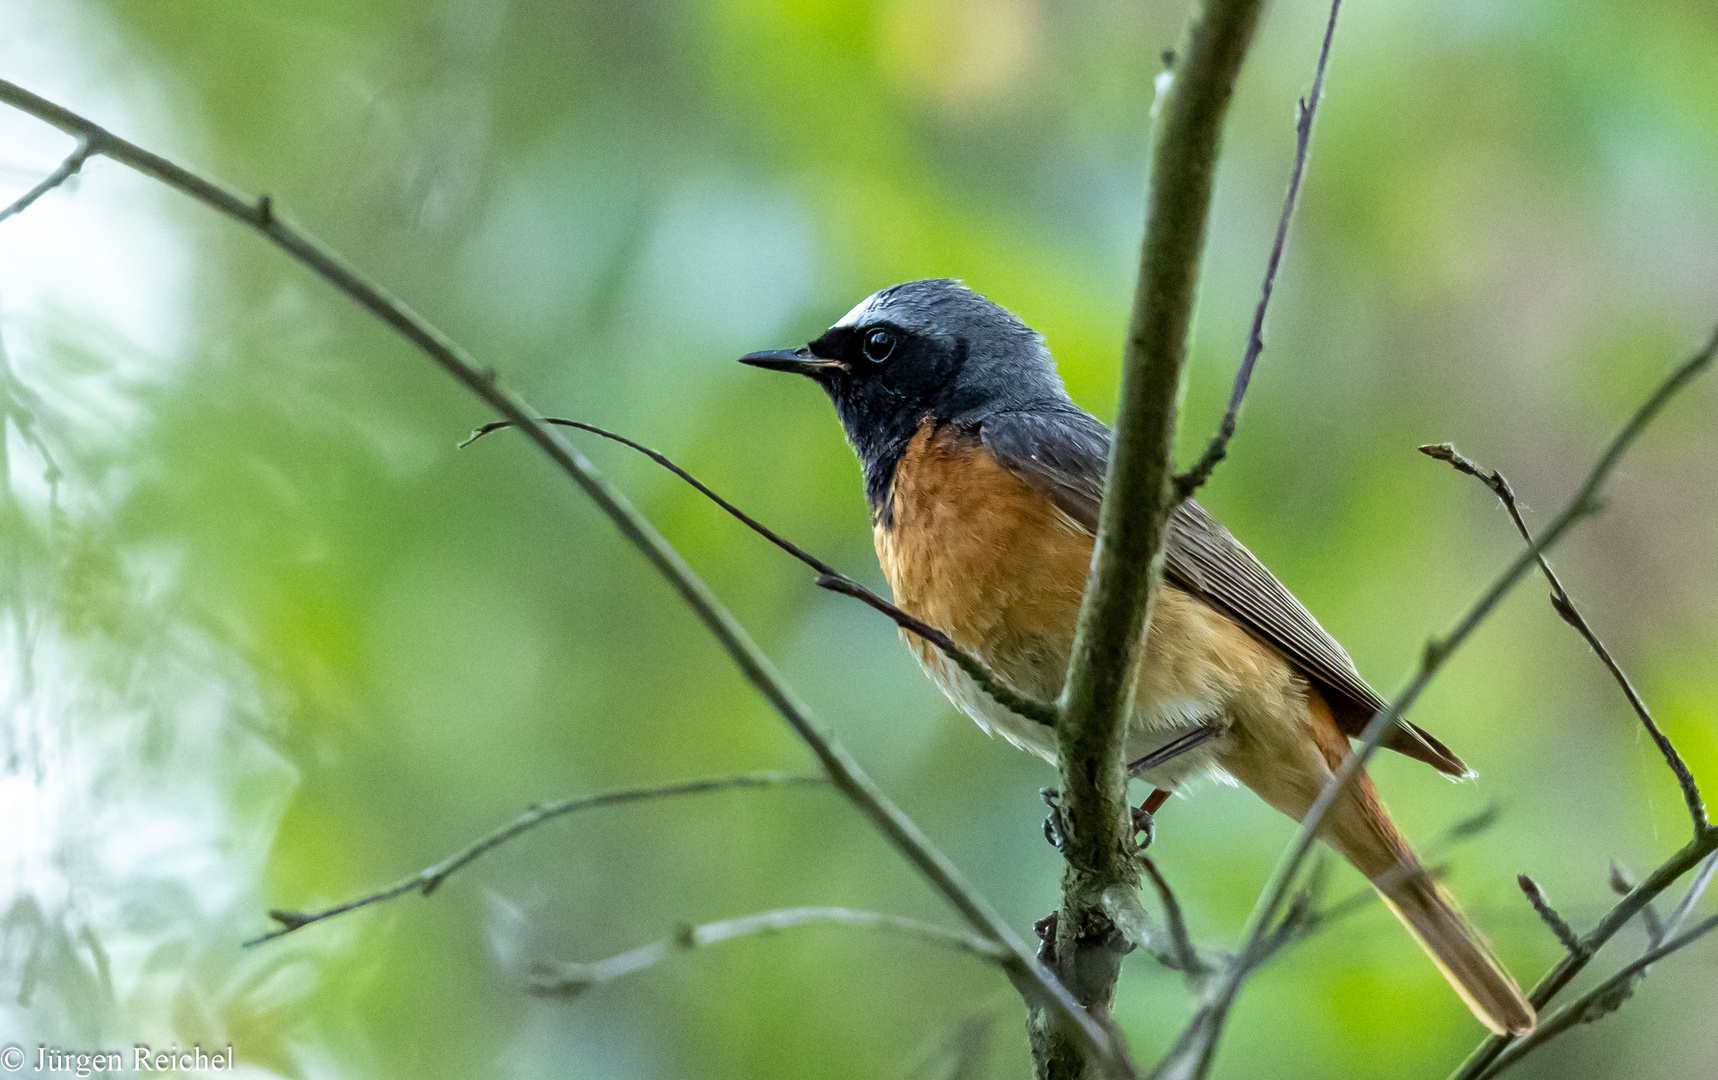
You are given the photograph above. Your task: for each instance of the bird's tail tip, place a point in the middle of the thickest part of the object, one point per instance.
(1459, 951)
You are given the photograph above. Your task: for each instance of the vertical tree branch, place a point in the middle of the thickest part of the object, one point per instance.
(1138, 495)
(1043, 991)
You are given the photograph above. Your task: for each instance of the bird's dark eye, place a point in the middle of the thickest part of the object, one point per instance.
(878, 345)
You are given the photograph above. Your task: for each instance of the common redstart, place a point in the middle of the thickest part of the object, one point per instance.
(984, 480)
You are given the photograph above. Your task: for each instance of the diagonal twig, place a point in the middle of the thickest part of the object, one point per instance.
(66, 170)
(828, 577)
(561, 978)
(1566, 610)
(1703, 845)
(1571, 965)
(1186, 956)
(1310, 923)
(430, 878)
(1194, 478)
(1598, 1002)
(1041, 988)
(1298, 920)
(1696, 889)
(1192, 1054)
(1623, 883)
(1548, 914)
(1321, 918)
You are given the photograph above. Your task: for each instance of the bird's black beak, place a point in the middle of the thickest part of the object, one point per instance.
(799, 361)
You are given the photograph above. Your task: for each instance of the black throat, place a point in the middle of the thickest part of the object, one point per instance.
(880, 438)
(883, 407)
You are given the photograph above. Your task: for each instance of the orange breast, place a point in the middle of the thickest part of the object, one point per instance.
(976, 552)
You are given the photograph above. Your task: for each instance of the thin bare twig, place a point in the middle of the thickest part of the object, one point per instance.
(1598, 1002)
(1138, 496)
(828, 577)
(1312, 922)
(562, 978)
(430, 878)
(1548, 914)
(1571, 965)
(67, 169)
(1042, 989)
(1304, 922)
(1567, 611)
(1185, 954)
(1305, 109)
(1298, 920)
(1623, 883)
(1696, 889)
(1704, 844)
(1194, 1051)
(1210, 1018)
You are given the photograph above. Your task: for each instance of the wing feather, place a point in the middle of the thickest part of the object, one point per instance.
(1064, 452)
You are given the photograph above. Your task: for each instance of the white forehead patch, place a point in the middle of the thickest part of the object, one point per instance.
(860, 310)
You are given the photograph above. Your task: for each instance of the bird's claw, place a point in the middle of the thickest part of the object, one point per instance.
(1054, 830)
(1045, 928)
(1145, 826)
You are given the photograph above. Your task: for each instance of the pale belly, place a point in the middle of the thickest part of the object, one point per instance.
(1176, 691)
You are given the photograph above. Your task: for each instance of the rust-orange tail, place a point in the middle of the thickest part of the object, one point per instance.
(1458, 950)
(1358, 827)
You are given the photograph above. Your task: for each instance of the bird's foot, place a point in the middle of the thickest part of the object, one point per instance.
(1045, 928)
(1054, 826)
(1143, 821)
(1144, 826)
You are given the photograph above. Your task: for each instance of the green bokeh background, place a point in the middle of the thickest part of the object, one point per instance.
(271, 641)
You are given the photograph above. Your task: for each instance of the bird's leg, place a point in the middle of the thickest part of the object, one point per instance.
(1054, 826)
(1174, 748)
(1143, 821)
(1184, 743)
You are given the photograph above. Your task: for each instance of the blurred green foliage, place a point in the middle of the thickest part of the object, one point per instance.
(274, 642)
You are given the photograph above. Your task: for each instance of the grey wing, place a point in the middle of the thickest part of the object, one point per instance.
(1203, 557)
(1064, 452)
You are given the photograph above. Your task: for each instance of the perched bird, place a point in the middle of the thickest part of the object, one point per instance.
(984, 480)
